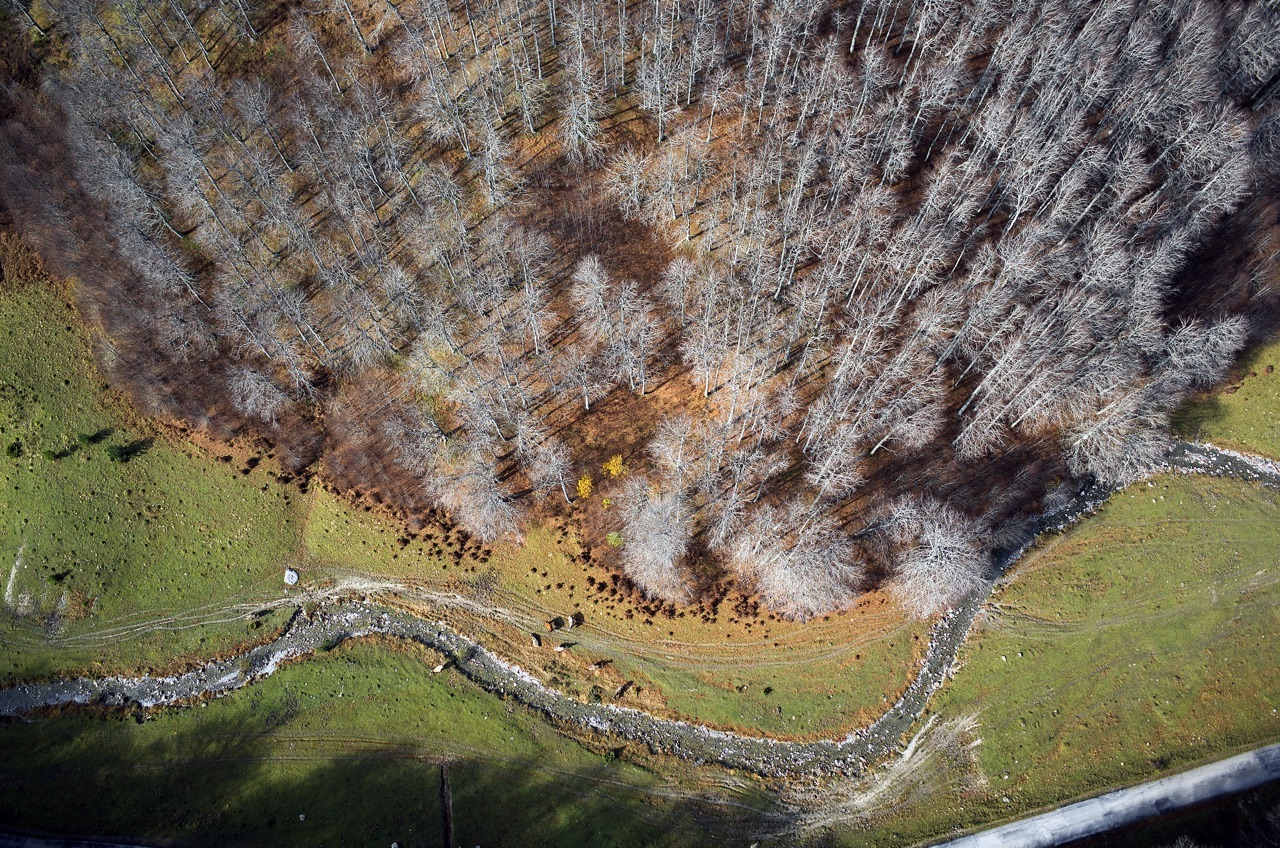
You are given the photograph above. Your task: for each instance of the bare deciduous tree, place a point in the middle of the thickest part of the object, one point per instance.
(256, 395)
(802, 565)
(941, 557)
(657, 529)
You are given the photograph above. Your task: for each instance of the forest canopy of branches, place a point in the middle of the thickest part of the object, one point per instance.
(872, 278)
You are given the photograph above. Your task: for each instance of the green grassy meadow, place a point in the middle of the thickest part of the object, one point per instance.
(130, 553)
(1140, 642)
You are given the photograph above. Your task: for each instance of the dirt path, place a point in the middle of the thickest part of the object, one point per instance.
(333, 621)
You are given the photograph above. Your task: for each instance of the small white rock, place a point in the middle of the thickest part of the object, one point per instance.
(302, 817)
(290, 577)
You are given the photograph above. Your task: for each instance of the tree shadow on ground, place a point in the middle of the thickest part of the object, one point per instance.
(198, 777)
(1188, 420)
(126, 452)
(100, 436)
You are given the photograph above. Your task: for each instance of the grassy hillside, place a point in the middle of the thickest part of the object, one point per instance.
(1134, 644)
(133, 547)
(344, 749)
(1142, 641)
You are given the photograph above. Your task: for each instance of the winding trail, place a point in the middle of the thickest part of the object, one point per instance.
(333, 622)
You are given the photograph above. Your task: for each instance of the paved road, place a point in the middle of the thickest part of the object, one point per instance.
(1126, 806)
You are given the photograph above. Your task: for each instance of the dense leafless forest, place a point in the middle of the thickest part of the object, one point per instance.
(854, 286)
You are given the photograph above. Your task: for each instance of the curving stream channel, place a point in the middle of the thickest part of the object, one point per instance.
(334, 622)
